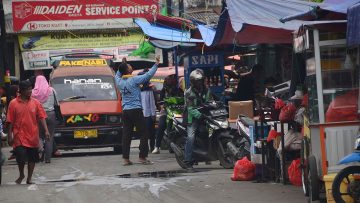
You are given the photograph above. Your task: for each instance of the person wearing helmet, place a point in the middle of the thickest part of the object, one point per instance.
(195, 96)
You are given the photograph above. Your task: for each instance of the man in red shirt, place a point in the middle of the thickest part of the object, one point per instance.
(23, 115)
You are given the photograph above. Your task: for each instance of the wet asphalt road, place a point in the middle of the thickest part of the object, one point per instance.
(97, 175)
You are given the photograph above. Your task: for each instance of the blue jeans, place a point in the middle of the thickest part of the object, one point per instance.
(191, 129)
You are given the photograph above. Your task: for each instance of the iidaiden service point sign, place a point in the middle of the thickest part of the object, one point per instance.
(79, 14)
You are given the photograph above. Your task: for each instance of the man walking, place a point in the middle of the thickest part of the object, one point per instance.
(23, 115)
(129, 87)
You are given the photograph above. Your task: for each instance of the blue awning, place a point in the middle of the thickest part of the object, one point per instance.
(353, 25)
(163, 33)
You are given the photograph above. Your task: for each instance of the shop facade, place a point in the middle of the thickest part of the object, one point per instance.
(45, 30)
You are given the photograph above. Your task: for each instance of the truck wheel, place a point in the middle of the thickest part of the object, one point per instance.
(353, 188)
(313, 179)
(118, 149)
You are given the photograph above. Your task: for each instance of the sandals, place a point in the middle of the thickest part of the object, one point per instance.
(128, 163)
(146, 162)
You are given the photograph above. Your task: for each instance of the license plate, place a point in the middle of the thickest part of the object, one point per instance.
(85, 133)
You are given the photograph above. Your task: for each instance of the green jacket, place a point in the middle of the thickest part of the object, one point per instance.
(193, 101)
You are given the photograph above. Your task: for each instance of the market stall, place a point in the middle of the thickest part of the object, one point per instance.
(332, 121)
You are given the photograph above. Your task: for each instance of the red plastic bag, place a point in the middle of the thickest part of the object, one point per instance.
(272, 135)
(243, 170)
(287, 113)
(279, 104)
(294, 172)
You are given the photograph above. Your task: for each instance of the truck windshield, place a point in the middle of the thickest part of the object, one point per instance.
(85, 87)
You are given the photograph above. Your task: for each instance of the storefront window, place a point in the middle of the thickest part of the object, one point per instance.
(340, 80)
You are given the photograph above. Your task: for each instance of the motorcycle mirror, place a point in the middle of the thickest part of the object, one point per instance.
(357, 144)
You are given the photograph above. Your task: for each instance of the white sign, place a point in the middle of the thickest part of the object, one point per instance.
(36, 60)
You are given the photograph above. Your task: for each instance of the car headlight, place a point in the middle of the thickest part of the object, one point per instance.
(113, 119)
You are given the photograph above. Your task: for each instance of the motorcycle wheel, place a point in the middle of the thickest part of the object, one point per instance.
(351, 190)
(227, 160)
(180, 142)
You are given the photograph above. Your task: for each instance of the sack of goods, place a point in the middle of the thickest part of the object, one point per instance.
(243, 170)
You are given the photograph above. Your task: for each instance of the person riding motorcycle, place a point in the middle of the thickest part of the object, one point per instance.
(195, 96)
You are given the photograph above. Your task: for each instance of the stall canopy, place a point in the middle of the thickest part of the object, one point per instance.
(353, 26)
(257, 21)
(165, 32)
(329, 10)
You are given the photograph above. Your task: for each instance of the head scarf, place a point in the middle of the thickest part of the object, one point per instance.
(42, 89)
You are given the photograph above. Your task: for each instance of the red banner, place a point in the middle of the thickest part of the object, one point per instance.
(79, 14)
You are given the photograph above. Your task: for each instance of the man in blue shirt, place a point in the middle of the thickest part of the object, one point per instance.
(129, 87)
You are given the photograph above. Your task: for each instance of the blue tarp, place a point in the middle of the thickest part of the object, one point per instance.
(353, 25)
(163, 33)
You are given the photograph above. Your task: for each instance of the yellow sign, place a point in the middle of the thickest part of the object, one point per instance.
(306, 127)
(55, 41)
(84, 62)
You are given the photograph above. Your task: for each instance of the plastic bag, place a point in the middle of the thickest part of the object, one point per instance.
(294, 172)
(243, 170)
(287, 113)
(272, 135)
(279, 104)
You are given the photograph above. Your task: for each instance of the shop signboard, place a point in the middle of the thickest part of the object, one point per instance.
(81, 14)
(43, 59)
(50, 41)
(212, 64)
(36, 60)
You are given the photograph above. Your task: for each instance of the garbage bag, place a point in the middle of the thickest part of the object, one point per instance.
(294, 172)
(243, 170)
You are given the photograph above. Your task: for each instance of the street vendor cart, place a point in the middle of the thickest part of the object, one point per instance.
(332, 121)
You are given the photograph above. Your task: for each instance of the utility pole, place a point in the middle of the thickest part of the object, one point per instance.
(168, 7)
(4, 71)
(181, 8)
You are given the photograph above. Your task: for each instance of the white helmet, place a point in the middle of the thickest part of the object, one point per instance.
(197, 79)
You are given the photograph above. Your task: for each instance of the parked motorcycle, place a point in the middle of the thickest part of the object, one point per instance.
(174, 107)
(214, 139)
(349, 176)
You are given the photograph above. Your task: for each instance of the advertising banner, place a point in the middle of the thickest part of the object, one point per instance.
(33, 60)
(79, 14)
(51, 41)
(36, 60)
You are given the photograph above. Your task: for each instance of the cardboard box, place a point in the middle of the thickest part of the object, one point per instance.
(241, 107)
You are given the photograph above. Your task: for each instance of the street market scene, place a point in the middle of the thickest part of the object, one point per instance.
(180, 101)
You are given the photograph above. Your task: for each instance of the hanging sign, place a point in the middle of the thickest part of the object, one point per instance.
(79, 14)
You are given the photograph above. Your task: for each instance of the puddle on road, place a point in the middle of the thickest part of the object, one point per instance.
(154, 182)
(155, 174)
